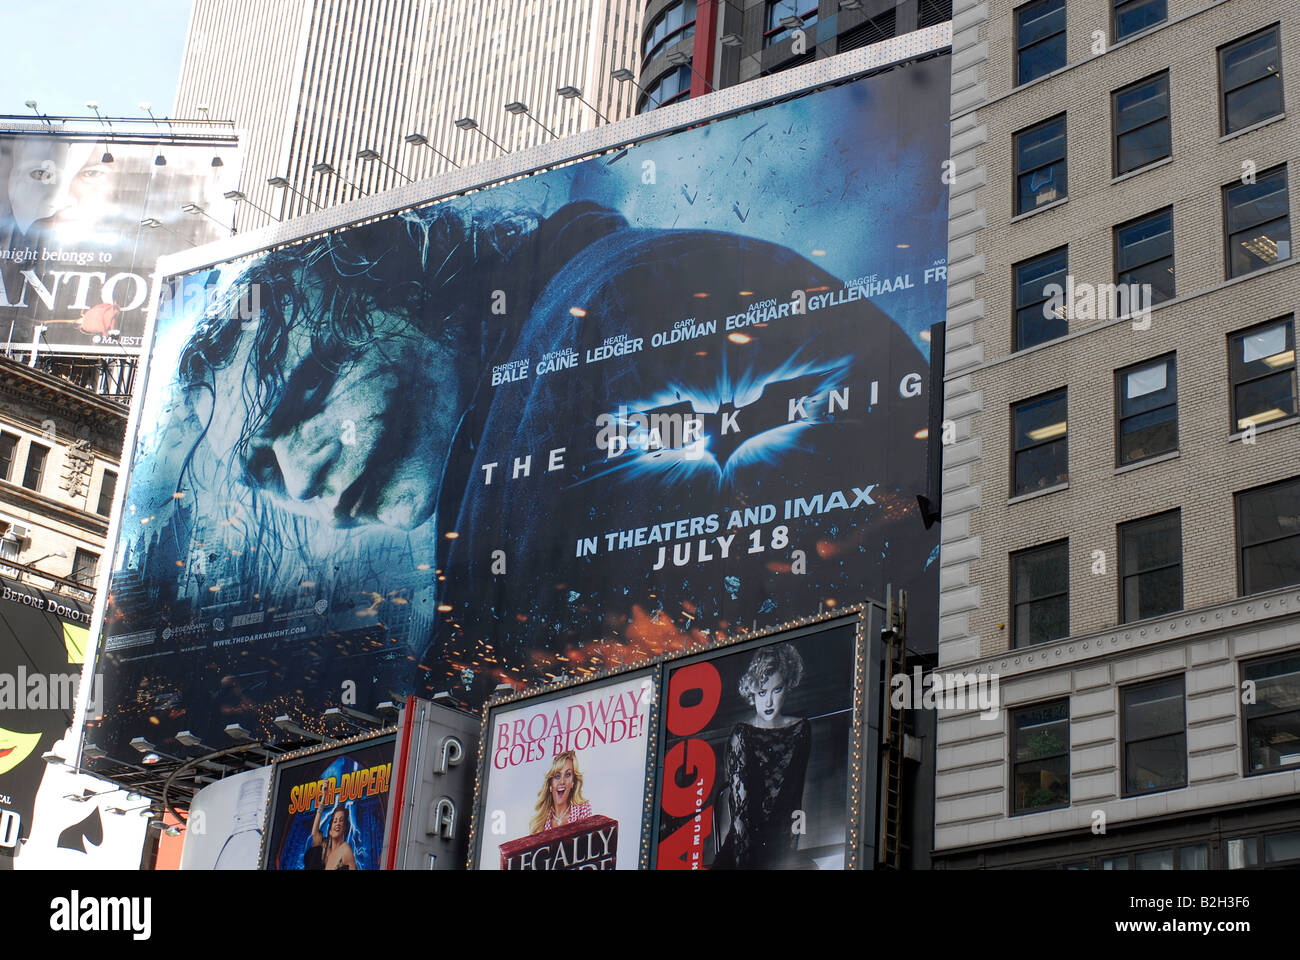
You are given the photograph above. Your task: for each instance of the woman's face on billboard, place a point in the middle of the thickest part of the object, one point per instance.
(348, 440)
(562, 785)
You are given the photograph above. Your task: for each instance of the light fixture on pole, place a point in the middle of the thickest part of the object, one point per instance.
(327, 169)
(792, 22)
(153, 223)
(469, 123)
(369, 155)
(195, 208)
(682, 59)
(517, 107)
(31, 105)
(147, 107)
(286, 723)
(94, 105)
(570, 92)
(239, 195)
(623, 74)
(730, 40)
(61, 553)
(420, 140)
(850, 4)
(281, 183)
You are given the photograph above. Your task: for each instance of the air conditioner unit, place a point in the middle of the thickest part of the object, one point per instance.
(17, 531)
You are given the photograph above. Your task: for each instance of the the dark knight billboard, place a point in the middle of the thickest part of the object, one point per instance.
(569, 422)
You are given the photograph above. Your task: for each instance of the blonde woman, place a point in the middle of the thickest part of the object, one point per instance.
(560, 801)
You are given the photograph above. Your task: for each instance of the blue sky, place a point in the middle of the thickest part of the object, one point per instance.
(62, 53)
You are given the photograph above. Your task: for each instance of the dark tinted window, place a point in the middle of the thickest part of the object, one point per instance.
(1262, 371)
(35, 466)
(1257, 221)
(1155, 736)
(1037, 320)
(1273, 719)
(1141, 116)
(1040, 594)
(1250, 80)
(1144, 255)
(1039, 434)
(1132, 16)
(1040, 165)
(1040, 757)
(1151, 566)
(8, 443)
(1040, 39)
(106, 491)
(1148, 411)
(1268, 536)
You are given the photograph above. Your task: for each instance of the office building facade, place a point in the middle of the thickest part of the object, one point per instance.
(689, 47)
(344, 98)
(1121, 507)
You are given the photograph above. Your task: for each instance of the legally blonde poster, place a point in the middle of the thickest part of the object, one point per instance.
(565, 779)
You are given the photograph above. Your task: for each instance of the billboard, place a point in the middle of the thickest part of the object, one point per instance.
(328, 808)
(81, 822)
(43, 638)
(563, 778)
(226, 823)
(759, 743)
(75, 257)
(561, 425)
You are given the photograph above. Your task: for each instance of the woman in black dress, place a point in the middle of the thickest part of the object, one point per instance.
(766, 762)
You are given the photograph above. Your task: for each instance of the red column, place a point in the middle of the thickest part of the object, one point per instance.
(706, 26)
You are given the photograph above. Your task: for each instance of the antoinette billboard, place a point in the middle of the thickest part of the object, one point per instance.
(75, 256)
(569, 422)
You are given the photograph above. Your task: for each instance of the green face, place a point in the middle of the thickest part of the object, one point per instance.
(15, 748)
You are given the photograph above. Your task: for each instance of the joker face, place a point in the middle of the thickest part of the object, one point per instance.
(345, 434)
(16, 747)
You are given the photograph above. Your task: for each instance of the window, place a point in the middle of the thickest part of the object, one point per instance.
(1147, 408)
(8, 444)
(1250, 80)
(1133, 16)
(1141, 123)
(84, 565)
(35, 467)
(1037, 320)
(1040, 39)
(1144, 256)
(778, 10)
(672, 86)
(1257, 222)
(673, 25)
(1040, 600)
(1268, 537)
(106, 490)
(1040, 765)
(1151, 566)
(1040, 165)
(1155, 736)
(1278, 848)
(1261, 368)
(1039, 434)
(865, 34)
(1273, 719)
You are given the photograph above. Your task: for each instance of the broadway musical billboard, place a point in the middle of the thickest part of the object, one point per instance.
(571, 422)
(328, 808)
(83, 222)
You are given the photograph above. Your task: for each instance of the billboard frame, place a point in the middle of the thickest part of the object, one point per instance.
(552, 691)
(860, 786)
(291, 760)
(605, 139)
